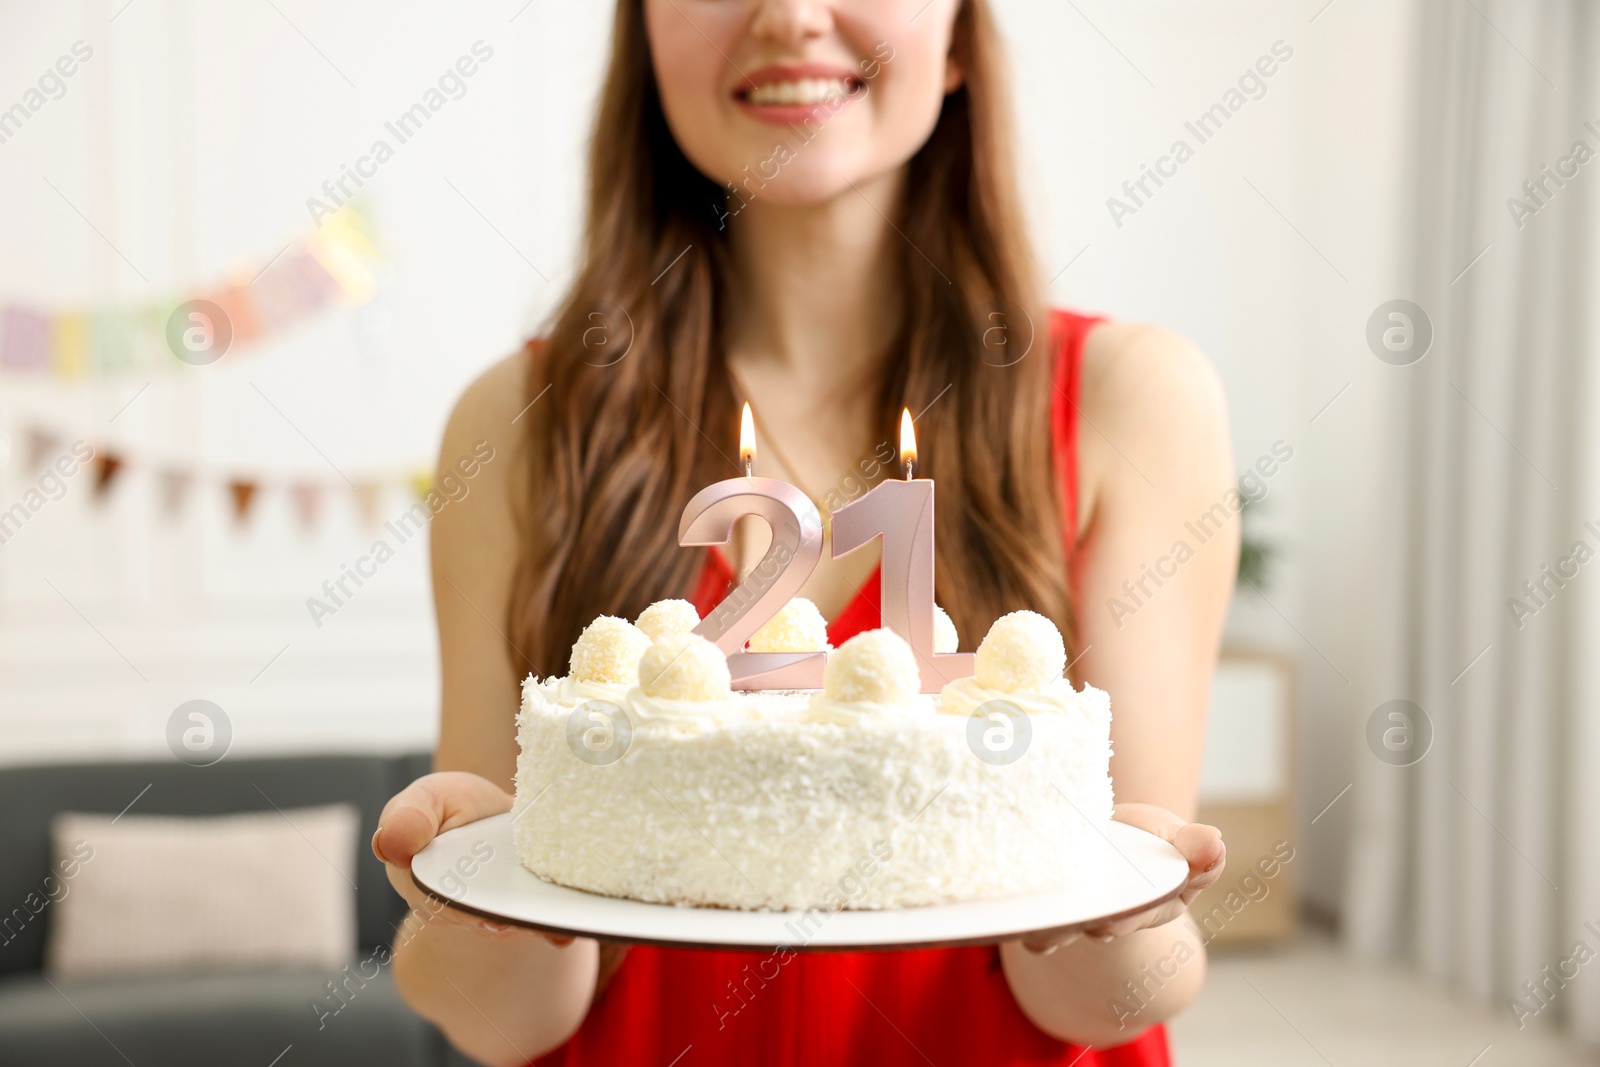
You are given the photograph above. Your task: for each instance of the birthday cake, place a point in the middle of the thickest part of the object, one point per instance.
(643, 775)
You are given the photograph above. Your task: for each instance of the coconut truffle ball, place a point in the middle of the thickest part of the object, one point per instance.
(684, 667)
(945, 638)
(875, 667)
(1022, 652)
(667, 617)
(797, 627)
(608, 651)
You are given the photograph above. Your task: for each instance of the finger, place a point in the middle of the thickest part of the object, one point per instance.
(1044, 942)
(1159, 915)
(431, 804)
(1152, 819)
(425, 906)
(1202, 846)
(432, 911)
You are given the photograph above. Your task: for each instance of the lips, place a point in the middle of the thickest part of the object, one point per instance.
(791, 92)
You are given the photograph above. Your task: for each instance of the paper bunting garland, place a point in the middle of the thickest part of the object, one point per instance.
(243, 491)
(331, 266)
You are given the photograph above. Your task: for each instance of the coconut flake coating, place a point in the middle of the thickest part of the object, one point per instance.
(1022, 651)
(667, 617)
(873, 667)
(684, 667)
(797, 627)
(757, 806)
(608, 651)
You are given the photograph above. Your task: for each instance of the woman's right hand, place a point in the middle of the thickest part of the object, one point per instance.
(419, 813)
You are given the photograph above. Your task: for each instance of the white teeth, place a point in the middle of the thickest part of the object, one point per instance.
(804, 92)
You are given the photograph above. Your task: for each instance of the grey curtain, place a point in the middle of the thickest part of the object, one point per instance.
(1479, 860)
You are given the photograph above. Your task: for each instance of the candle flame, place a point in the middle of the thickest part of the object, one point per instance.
(908, 441)
(747, 441)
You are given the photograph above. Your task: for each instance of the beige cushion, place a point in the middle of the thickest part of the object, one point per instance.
(164, 892)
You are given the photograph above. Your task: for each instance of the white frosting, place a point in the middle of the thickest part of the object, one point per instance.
(642, 708)
(772, 799)
(574, 691)
(964, 696)
(824, 708)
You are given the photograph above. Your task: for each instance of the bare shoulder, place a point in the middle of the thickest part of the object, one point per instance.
(488, 408)
(1156, 412)
(492, 414)
(482, 465)
(1137, 373)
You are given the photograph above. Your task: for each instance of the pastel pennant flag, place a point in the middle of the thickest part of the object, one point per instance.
(422, 482)
(149, 326)
(24, 340)
(291, 288)
(369, 499)
(344, 249)
(41, 444)
(174, 485)
(242, 492)
(110, 342)
(307, 503)
(237, 305)
(67, 345)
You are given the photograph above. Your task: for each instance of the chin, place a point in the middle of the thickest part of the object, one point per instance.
(806, 180)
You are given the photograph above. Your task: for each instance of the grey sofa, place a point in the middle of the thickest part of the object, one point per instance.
(173, 1020)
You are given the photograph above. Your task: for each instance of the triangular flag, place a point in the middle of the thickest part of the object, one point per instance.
(40, 444)
(67, 344)
(243, 492)
(110, 342)
(369, 499)
(238, 303)
(307, 503)
(25, 340)
(422, 482)
(106, 469)
(174, 488)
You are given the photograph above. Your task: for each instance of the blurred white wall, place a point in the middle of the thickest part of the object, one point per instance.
(193, 138)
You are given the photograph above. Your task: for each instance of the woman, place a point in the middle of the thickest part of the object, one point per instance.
(809, 205)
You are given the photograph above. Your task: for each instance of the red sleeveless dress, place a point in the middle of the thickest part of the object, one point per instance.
(692, 1007)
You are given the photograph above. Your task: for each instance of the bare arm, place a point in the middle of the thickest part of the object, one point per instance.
(1155, 457)
(501, 995)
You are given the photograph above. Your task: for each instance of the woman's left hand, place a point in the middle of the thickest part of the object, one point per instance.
(1200, 844)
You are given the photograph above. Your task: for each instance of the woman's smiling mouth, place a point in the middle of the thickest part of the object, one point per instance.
(789, 93)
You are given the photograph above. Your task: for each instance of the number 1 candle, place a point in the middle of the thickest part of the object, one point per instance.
(901, 512)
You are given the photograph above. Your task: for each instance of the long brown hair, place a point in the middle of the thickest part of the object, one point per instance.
(619, 445)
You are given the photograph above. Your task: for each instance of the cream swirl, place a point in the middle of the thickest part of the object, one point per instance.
(571, 692)
(964, 696)
(824, 708)
(644, 709)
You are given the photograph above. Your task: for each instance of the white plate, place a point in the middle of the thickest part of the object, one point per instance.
(1126, 871)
